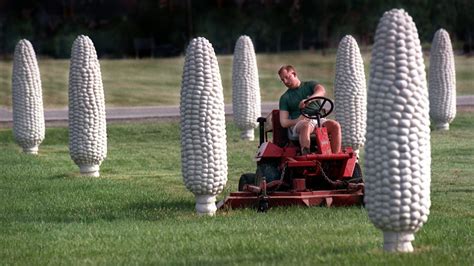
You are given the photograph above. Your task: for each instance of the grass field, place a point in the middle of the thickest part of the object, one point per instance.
(158, 81)
(139, 212)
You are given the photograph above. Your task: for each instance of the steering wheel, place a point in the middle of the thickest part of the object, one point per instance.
(315, 107)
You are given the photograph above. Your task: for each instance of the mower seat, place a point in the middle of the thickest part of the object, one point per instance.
(280, 134)
(272, 124)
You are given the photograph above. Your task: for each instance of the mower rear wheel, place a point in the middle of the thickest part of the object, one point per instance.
(246, 179)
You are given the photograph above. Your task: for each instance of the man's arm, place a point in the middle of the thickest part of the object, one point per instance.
(285, 120)
(318, 91)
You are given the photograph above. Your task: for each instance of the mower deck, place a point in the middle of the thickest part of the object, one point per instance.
(328, 198)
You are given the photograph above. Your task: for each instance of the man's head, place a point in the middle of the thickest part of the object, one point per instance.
(288, 76)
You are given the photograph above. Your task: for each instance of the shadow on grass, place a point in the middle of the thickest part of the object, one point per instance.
(57, 176)
(170, 208)
(143, 211)
(137, 211)
(455, 190)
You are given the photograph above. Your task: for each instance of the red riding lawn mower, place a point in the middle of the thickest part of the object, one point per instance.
(286, 177)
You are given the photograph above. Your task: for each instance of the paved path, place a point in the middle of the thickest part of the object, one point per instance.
(159, 112)
(126, 113)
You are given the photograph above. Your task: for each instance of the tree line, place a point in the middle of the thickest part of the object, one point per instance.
(138, 28)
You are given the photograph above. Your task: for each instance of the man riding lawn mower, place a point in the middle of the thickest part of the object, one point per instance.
(287, 176)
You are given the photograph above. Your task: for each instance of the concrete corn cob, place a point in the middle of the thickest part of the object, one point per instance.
(442, 81)
(397, 149)
(350, 93)
(245, 88)
(203, 133)
(27, 99)
(87, 124)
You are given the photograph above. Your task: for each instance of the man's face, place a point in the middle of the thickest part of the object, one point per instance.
(288, 77)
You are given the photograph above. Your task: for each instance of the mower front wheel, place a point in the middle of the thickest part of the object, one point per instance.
(246, 179)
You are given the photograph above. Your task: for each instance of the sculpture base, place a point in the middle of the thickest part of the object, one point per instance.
(89, 170)
(398, 241)
(356, 153)
(442, 126)
(247, 134)
(206, 205)
(31, 150)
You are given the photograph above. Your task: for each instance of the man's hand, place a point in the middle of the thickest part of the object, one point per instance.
(302, 117)
(302, 104)
(286, 122)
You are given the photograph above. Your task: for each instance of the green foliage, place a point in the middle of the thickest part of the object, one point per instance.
(138, 212)
(274, 26)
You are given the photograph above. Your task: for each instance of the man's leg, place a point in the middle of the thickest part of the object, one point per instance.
(334, 132)
(304, 129)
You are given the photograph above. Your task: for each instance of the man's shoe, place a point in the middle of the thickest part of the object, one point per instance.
(305, 151)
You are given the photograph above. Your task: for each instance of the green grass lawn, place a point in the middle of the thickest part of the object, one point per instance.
(139, 212)
(145, 82)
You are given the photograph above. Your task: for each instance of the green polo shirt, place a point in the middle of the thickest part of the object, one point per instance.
(291, 99)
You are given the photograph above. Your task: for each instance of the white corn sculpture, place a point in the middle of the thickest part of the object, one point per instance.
(245, 88)
(442, 81)
(350, 93)
(27, 99)
(87, 124)
(397, 148)
(203, 133)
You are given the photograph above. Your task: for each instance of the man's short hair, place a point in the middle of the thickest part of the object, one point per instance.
(287, 68)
